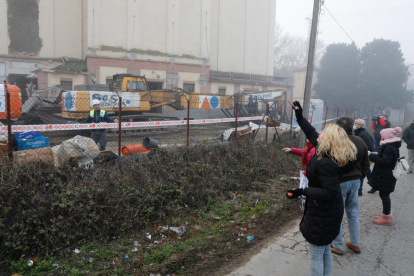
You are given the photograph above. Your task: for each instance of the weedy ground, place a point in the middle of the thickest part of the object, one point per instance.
(115, 218)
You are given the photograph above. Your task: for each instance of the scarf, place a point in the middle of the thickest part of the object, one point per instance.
(305, 152)
(389, 141)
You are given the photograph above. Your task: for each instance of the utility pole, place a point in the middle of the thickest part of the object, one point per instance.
(309, 70)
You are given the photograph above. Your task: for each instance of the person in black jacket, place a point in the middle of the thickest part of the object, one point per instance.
(382, 178)
(324, 206)
(360, 131)
(408, 137)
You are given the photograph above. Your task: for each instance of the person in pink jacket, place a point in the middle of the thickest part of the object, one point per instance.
(306, 153)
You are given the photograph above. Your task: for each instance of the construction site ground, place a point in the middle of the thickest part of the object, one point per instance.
(168, 135)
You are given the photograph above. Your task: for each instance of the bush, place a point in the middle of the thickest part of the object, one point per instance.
(44, 209)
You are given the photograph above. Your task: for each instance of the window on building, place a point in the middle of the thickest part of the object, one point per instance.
(188, 87)
(172, 78)
(129, 86)
(66, 85)
(152, 85)
(222, 91)
(110, 83)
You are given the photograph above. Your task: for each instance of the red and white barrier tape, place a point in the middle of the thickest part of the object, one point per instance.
(56, 127)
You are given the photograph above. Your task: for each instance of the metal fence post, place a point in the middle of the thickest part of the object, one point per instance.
(9, 130)
(188, 123)
(267, 121)
(236, 106)
(326, 114)
(291, 124)
(119, 127)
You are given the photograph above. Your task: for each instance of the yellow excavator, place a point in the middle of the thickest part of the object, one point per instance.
(137, 99)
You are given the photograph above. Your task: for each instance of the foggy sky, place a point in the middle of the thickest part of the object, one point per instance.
(363, 20)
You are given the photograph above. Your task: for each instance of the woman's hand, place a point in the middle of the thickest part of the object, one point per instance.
(298, 110)
(287, 149)
(294, 193)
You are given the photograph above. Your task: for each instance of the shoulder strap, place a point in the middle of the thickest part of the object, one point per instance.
(92, 113)
(102, 113)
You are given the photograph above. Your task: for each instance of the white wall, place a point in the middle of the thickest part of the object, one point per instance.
(242, 35)
(237, 35)
(54, 79)
(150, 34)
(260, 22)
(299, 81)
(105, 72)
(231, 36)
(174, 27)
(60, 28)
(229, 87)
(4, 41)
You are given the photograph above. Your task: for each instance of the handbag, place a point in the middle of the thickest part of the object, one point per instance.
(304, 182)
(401, 168)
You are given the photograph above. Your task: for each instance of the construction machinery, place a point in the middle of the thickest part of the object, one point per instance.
(137, 99)
(15, 100)
(55, 106)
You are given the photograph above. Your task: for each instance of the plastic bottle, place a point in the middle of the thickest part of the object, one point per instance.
(31, 262)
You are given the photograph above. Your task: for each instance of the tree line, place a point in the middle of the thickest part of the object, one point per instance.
(368, 78)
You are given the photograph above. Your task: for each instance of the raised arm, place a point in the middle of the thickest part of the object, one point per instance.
(296, 151)
(306, 127)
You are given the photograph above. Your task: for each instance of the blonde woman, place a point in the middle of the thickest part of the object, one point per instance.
(324, 206)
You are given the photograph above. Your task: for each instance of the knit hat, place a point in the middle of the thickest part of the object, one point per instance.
(389, 133)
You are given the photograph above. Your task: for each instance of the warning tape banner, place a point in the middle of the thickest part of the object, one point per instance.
(56, 127)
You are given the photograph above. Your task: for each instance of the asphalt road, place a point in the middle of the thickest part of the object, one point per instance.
(385, 250)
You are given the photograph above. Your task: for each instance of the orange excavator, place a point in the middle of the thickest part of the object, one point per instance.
(15, 101)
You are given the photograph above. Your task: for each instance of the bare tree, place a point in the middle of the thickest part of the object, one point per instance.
(291, 52)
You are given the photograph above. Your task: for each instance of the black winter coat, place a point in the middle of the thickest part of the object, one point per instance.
(324, 207)
(382, 178)
(363, 133)
(408, 136)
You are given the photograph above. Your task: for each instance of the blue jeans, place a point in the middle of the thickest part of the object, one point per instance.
(376, 144)
(320, 260)
(350, 195)
(362, 180)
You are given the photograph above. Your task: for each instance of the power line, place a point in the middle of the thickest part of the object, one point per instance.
(360, 49)
(388, 9)
(355, 17)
